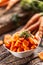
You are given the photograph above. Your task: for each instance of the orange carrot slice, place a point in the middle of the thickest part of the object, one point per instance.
(40, 55)
(26, 48)
(18, 43)
(25, 43)
(19, 50)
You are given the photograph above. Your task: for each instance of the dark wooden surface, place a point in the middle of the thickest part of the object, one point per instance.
(7, 58)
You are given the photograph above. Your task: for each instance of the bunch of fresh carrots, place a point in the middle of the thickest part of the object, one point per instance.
(35, 24)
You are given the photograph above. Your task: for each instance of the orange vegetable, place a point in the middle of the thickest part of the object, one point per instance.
(33, 46)
(19, 49)
(22, 47)
(40, 55)
(26, 48)
(18, 43)
(34, 26)
(10, 4)
(15, 49)
(3, 2)
(7, 38)
(12, 46)
(8, 45)
(33, 41)
(15, 37)
(33, 19)
(25, 43)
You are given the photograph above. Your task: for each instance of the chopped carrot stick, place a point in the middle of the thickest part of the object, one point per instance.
(33, 41)
(7, 38)
(12, 46)
(19, 50)
(25, 43)
(26, 48)
(18, 43)
(15, 49)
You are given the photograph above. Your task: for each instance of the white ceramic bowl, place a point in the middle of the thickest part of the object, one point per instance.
(21, 54)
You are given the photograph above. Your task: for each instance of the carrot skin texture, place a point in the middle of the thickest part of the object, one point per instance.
(34, 26)
(32, 20)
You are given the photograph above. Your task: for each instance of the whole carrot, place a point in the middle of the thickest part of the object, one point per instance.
(10, 4)
(41, 27)
(32, 20)
(34, 26)
(39, 34)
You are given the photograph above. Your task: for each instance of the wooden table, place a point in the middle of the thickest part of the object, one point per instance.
(7, 58)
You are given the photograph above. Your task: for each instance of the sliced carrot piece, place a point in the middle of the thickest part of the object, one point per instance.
(22, 47)
(12, 46)
(40, 55)
(15, 49)
(33, 41)
(19, 49)
(7, 38)
(8, 45)
(18, 43)
(33, 46)
(15, 37)
(25, 43)
(26, 48)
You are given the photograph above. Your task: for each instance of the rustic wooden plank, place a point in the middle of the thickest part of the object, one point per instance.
(4, 55)
(36, 61)
(2, 49)
(10, 59)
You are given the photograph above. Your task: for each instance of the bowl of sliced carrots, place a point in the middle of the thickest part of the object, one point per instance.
(20, 44)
